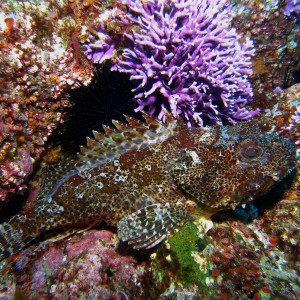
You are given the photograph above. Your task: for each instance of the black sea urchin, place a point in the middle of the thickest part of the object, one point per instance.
(107, 97)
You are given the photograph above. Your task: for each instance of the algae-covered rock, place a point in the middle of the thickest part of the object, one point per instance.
(183, 245)
(182, 268)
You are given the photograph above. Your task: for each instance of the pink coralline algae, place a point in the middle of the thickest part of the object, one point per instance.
(13, 173)
(85, 266)
(39, 60)
(185, 58)
(247, 263)
(286, 112)
(295, 123)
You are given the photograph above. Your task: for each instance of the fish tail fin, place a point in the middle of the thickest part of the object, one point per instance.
(15, 235)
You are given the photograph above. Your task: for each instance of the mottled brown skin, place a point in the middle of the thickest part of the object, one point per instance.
(208, 169)
(137, 179)
(226, 176)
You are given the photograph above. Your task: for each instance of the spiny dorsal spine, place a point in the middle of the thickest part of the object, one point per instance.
(134, 135)
(105, 147)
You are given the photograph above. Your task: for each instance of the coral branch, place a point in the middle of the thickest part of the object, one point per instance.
(185, 57)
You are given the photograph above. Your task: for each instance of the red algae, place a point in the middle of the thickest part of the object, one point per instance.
(33, 53)
(84, 266)
(77, 247)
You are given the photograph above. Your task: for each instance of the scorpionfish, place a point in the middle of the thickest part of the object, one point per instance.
(148, 177)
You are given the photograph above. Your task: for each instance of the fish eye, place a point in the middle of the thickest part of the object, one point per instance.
(250, 151)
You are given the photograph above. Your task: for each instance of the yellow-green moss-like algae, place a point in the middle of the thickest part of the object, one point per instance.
(183, 244)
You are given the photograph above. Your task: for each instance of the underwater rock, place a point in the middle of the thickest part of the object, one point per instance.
(286, 112)
(85, 266)
(276, 39)
(39, 59)
(235, 261)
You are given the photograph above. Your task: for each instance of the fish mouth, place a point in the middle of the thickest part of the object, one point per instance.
(269, 181)
(261, 186)
(274, 176)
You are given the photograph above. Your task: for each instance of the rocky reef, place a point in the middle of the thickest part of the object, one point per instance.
(39, 59)
(276, 39)
(48, 46)
(86, 266)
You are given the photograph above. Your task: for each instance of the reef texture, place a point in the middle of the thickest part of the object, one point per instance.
(86, 266)
(186, 58)
(276, 38)
(106, 34)
(286, 112)
(291, 6)
(40, 55)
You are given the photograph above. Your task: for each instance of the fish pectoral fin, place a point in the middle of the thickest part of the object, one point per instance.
(149, 226)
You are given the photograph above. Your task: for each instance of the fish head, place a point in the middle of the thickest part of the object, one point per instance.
(230, 165)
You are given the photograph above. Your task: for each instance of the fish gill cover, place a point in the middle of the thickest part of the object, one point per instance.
(184, 57)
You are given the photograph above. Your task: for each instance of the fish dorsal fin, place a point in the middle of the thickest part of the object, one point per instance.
(124, 137)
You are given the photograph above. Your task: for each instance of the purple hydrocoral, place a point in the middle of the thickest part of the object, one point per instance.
(292, 6)
(186, 59)
(102, 48)
(99, 51)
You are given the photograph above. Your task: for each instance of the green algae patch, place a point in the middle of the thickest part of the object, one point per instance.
(182, 245)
